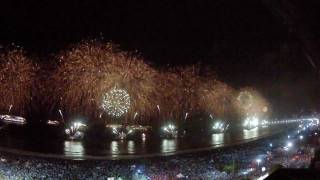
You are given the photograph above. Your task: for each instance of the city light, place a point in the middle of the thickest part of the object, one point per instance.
(264, 123)
(143, 136)
(300, 137)
(258, 161)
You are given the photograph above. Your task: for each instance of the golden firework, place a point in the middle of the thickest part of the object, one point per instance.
(250, 102)
(17, 75)
(217, 97)
(89, 70)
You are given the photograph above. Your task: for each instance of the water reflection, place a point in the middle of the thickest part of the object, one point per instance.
(217, 139)
(131, 147)
(150, 144)
(168, 145)
(143, 136)
(114, 147)
(252, 133)
(73, 149)
(118, 147)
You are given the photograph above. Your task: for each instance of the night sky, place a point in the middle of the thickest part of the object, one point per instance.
(256, 43)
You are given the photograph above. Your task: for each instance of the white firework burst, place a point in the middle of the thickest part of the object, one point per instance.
(116, 102)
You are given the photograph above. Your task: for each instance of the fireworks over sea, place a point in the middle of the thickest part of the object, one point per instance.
(90, 70)
(102, 82)
(250, 102)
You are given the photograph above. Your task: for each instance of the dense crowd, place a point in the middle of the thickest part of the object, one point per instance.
(225, 163)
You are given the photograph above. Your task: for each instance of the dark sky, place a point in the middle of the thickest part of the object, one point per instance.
(249, 42)
(188, 29)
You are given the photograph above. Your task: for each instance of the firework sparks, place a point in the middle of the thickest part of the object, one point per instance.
(170, 131)
(184, 92)
(17, 74)
(251, 104)
(169, 96)
(245, 99)
(76, 131)
(217, 97)
(191, 81)
(116, 102)
(87, 74)
(101, 81)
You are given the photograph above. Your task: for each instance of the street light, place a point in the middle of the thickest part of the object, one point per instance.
(287, 148)
(300, 137)
(258, 161)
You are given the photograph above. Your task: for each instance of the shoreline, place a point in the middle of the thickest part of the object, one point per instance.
(13, 151)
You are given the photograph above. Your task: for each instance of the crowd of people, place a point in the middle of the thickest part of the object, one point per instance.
(249, 160)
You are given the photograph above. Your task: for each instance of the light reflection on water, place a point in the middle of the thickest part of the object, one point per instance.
(73, 148)
(114, 147)
(118, 147)
(217, 139)
(131, 147)
(168, 145)
(249, 134)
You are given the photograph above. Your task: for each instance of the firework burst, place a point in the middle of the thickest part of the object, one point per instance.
(250, 102)
(116, 102)
(17, 75)
(90, 70)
